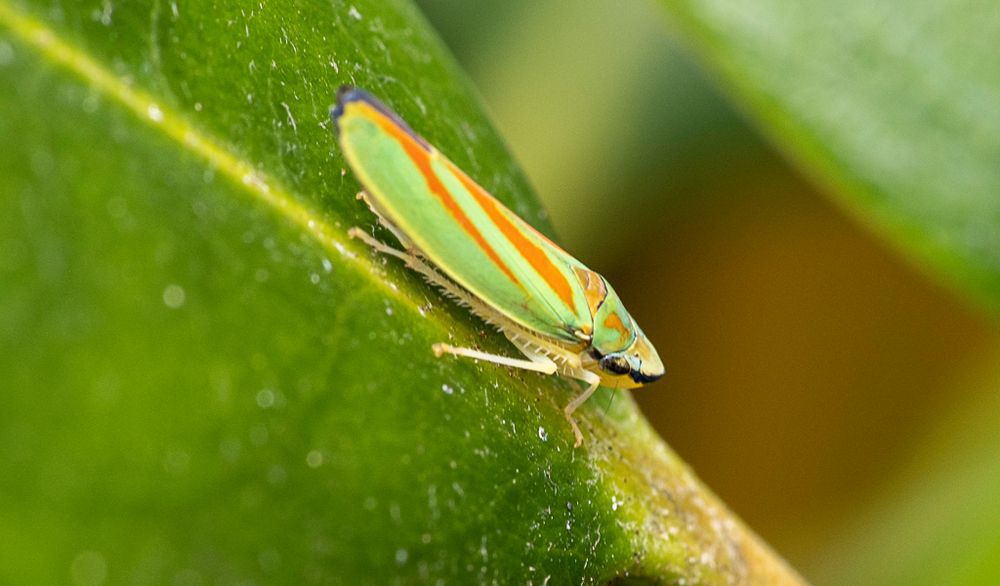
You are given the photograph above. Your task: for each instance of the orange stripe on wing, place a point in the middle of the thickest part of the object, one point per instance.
(419, 155)
(531, 252)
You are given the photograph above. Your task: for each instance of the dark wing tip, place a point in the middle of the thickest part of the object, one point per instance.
(348, 93)
(344, 90)
(345, 94)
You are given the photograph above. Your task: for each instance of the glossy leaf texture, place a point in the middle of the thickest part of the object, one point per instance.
(892, 104)
(205, 381)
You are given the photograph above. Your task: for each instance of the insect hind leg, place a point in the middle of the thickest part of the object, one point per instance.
(388, 225)
(379, 246)
(417, 264)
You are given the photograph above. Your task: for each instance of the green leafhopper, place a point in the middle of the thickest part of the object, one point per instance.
(563, 317)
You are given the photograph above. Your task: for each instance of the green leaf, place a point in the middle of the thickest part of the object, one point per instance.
(205, 381)
(891, 103)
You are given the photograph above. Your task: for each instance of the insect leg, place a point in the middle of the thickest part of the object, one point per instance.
(537, 363)
(538, 360)
(594, 381)
(570, 365)
(378, 245)
(363, 196)
(542, 358)
(529, 344)
(415, 263)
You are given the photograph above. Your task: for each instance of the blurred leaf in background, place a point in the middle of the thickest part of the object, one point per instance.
(810, 361)
(893, 104)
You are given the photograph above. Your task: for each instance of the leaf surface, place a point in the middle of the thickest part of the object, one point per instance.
(892, 104)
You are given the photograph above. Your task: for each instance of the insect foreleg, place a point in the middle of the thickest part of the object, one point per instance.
(594, 381)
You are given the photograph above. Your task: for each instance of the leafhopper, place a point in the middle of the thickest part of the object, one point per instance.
(564, 318)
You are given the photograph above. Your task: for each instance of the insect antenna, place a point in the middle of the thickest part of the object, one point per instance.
(611, 399)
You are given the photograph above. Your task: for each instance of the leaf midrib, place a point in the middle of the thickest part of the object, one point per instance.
(257, 184)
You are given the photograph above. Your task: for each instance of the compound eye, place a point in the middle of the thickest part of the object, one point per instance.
(616, 364)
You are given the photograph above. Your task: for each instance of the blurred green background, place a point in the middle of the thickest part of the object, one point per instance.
(831, 392)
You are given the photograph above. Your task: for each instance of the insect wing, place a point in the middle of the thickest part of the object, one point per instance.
(455, 223)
